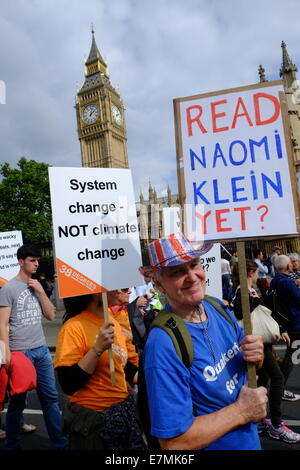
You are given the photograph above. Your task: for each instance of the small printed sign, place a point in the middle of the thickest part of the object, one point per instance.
(211, 263)
(95, 227)
(9, 244)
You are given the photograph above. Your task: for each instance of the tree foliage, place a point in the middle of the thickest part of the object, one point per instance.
(25, 200)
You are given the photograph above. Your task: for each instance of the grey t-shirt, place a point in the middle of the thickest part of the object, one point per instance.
(25, 326)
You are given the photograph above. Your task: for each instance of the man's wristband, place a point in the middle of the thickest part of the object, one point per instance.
(98, 353)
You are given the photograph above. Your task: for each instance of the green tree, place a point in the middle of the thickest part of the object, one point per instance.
(25, 200)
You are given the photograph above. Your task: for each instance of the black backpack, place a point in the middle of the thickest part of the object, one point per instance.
(280, 312)
(140, 325)
(174, 326)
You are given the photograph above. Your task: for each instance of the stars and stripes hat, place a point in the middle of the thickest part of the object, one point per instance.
(173, 250)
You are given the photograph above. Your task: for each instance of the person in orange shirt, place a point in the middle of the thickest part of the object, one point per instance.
(97, 414)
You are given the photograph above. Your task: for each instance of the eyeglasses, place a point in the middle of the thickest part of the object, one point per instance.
(125, 290)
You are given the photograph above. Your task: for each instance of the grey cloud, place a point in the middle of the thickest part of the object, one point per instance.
(156, 50)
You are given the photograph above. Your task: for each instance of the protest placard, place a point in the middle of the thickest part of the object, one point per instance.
(95, 228)
(235, 170)
(211, 263)
(9, 244)
(234, 165)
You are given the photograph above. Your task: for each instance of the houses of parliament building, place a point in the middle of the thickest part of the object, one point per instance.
(102, 135)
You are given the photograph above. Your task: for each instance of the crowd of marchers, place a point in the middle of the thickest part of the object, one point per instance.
(180, 356)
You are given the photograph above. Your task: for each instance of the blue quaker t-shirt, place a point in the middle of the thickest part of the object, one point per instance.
(177, 394)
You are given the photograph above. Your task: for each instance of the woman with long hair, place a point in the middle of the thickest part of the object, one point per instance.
(270, 371)
(97, 414)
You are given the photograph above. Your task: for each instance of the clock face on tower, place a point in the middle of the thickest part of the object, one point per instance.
(117, 115)
(91, 113)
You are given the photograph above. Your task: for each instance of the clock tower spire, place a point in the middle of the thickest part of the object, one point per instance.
(100, 116)
(95, 62)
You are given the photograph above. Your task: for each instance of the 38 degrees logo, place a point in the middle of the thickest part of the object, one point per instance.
(2, 92)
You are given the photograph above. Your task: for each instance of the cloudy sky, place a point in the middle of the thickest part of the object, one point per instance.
(156, 50)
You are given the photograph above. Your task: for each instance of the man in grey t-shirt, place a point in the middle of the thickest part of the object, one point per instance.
(22, 303)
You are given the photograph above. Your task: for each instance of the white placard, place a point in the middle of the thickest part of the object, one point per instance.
(171, 220)
(211, 263)
(9, 244)
(95, 227)
(236, 170)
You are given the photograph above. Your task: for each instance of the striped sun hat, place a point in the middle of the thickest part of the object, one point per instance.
(173, 250)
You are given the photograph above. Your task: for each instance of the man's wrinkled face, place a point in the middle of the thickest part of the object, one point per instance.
(183, 284)
(148, 276)
(296, 265)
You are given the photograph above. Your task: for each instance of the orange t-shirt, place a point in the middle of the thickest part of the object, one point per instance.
(121, 315)
(75, 338)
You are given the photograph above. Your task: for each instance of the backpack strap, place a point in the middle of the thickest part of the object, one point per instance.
(220, 307)
(174, 326)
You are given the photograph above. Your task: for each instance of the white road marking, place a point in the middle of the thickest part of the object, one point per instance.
(28, 412)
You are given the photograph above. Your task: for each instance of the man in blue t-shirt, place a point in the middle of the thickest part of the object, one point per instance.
(208, 405)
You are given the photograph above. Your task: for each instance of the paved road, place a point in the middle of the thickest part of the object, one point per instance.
(39, 439)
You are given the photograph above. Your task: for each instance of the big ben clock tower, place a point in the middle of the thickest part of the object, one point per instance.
(100, 116)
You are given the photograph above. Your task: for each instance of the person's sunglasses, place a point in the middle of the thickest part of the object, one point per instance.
(125, 290)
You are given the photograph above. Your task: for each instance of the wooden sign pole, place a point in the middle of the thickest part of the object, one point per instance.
(251, 368)
(110, 355)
